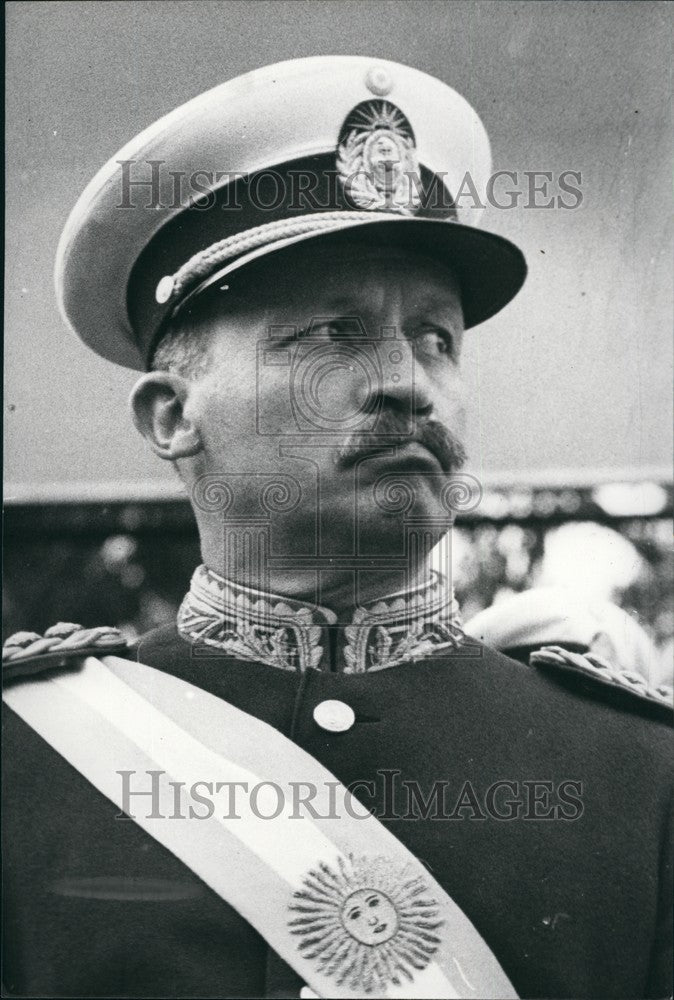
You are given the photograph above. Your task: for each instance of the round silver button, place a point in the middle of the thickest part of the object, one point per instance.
(378, 81)
(334, 716)
(164, 289)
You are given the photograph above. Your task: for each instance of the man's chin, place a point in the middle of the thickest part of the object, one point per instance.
(389, 534)
(403, 495)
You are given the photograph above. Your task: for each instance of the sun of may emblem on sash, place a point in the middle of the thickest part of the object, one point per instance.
(366, 922)
(377, 161)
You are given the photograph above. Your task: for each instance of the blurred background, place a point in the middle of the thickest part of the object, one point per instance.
(570, 387)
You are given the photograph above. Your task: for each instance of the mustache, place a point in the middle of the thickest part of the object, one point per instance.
(392, 429)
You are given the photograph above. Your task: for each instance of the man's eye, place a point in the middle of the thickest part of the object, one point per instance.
(435, 343)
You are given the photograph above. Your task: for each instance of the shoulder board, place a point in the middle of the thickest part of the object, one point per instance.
(598, 669)
(26, 653)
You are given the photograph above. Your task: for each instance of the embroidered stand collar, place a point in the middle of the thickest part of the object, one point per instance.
(295, 635)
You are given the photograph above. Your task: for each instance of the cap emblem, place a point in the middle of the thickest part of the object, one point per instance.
(377, 159)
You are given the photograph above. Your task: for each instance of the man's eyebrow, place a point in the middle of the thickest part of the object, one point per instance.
(352, 306)
(347, 306)
(445, 298)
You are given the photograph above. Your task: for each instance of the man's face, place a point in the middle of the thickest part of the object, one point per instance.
(339, 369)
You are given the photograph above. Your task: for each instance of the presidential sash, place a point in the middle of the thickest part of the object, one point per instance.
(332, 891)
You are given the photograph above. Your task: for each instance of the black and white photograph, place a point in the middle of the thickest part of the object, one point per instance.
(338, 619)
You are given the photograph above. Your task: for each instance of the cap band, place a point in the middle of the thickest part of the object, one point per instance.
(202, 265)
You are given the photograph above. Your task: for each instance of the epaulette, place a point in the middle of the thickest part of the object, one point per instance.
(26, 653)
(596, 668)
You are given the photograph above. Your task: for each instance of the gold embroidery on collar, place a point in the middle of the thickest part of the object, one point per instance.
(281, 632)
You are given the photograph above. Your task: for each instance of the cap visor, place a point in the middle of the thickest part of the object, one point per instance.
(490, 270)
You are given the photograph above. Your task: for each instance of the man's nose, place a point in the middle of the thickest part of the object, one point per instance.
(401, 384)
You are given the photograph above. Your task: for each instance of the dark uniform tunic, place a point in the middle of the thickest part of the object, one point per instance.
(573, 905)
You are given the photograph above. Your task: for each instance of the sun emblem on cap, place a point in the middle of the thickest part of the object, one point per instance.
(377, 160)
(367, 922)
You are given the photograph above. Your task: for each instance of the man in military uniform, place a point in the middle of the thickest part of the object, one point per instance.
(501, 829)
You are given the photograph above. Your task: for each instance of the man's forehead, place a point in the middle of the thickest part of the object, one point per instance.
(350, 279)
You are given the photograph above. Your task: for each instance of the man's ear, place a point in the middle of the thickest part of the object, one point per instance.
(158, 405)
